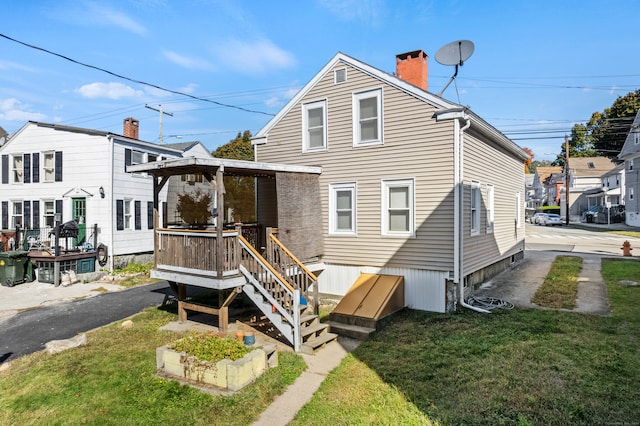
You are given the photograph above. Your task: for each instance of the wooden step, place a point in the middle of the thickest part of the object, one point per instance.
(313, 329)
(351, 330)
(311, 345)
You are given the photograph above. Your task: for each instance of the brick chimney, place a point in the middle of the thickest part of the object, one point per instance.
(131, 128)
(412, 67)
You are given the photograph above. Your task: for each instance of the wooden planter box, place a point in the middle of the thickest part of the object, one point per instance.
(225, 374)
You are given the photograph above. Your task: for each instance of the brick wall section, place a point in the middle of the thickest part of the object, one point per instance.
(131, 126)
(413, 68)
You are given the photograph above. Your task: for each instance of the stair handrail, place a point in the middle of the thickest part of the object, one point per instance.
(292, 315)
(308, 277)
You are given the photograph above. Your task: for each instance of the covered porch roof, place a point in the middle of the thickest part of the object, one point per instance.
(191, 165)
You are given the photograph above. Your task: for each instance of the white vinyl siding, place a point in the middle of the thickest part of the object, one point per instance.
(398, 208)
(367, 118)
(314, 126)
(490, 208)
(342, 209)
(475, 208)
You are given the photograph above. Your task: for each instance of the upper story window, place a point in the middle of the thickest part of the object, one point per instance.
(340, 75)
(17, 168)
(475, 208)
(631, 164)
(398, 209)
(52, 166)
(314, 126)
(367, 118)
(342, 209)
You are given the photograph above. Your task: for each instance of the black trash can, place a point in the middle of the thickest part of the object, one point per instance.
(589, 217)
(14, 267)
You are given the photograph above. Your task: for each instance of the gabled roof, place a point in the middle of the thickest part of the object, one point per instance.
(93, 132)
(544, 172)
(632, 142)
(590, 166)
(443, 105)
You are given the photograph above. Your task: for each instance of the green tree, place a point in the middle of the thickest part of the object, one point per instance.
(195, 208)
(240, 190)
(605, 132)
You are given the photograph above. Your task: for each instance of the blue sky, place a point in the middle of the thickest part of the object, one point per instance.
(538, 66)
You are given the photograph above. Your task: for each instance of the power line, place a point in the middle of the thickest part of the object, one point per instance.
(155, 86)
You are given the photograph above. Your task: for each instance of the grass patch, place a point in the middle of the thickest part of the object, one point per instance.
(560, 287)
(135, 274)
(518, 367)
(112, 381)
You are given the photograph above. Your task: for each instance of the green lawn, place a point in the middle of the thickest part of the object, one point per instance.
(524, 366)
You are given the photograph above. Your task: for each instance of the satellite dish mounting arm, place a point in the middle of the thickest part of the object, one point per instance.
(450, 80)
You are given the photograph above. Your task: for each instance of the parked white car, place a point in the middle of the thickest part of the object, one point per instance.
(550, 219)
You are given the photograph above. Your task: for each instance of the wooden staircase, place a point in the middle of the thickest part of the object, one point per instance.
(278, 285)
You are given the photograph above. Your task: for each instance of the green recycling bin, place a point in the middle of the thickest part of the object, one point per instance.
(14, 267)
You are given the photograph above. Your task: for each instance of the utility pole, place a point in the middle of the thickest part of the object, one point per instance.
(566, 176)
(161, 113)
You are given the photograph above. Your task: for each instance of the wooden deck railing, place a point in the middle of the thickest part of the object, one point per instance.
(291, 268)
(196, 251)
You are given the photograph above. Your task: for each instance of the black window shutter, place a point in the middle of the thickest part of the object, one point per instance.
(138, 213)
(5, 215)
(149, 214)
(119, 215)
(35, 167)
(127, 158)
(5, 172)
(59, 209)
(26, 205)
(26, 167)
(58, 176)
(35, 213)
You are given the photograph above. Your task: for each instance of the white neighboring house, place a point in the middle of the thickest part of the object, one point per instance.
(585, 174)
(49, 170)
(630, 154)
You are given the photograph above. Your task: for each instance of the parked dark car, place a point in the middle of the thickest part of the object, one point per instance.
(615, 214)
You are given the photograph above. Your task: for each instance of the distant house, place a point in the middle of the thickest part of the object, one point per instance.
(54, 174)
(585, 175)
(411, 184)
(629, 154)
(540, 182)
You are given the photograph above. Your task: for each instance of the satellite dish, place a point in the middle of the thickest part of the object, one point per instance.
(454, 53)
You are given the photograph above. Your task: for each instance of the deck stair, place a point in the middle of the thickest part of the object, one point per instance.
(282, 301)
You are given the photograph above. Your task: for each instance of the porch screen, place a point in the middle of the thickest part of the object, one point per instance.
(299, 214)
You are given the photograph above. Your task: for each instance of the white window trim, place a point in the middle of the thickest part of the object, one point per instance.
(385, 185)
(377, 93)
(14, 171)
(490, 208)
(475, 201)
(518, 209)
(46, 214)
(52, 168)
(129, 215)
(305, 130)
(13, 215)
(333, 213)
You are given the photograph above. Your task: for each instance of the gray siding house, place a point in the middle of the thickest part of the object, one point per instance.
(630, 154)
(411, 184)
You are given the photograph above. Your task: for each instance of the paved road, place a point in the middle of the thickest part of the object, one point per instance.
(29, 330)
(576, 240)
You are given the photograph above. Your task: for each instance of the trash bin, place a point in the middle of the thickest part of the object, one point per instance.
(589, 217)
(14, 267)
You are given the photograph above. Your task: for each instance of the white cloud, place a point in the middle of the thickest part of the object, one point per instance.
(189, 88)
(109, 16)
(185, 61)
(108, 90)
(12, 109)
(257, 57)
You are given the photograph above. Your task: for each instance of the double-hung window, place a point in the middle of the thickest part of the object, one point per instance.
(490, 208)
(17, 169)
(342, 208)
(398, 208)
(367, 118)
(314, 126)
(128, 222)
(49, 166)
(475, 208)
(16, 214)
(49, 213)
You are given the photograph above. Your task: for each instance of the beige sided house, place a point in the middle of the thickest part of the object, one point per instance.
(411, 184)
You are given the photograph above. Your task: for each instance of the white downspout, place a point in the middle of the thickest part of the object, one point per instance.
(111, 201)
(459, 211)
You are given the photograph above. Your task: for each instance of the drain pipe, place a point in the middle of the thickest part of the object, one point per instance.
(459, 210)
